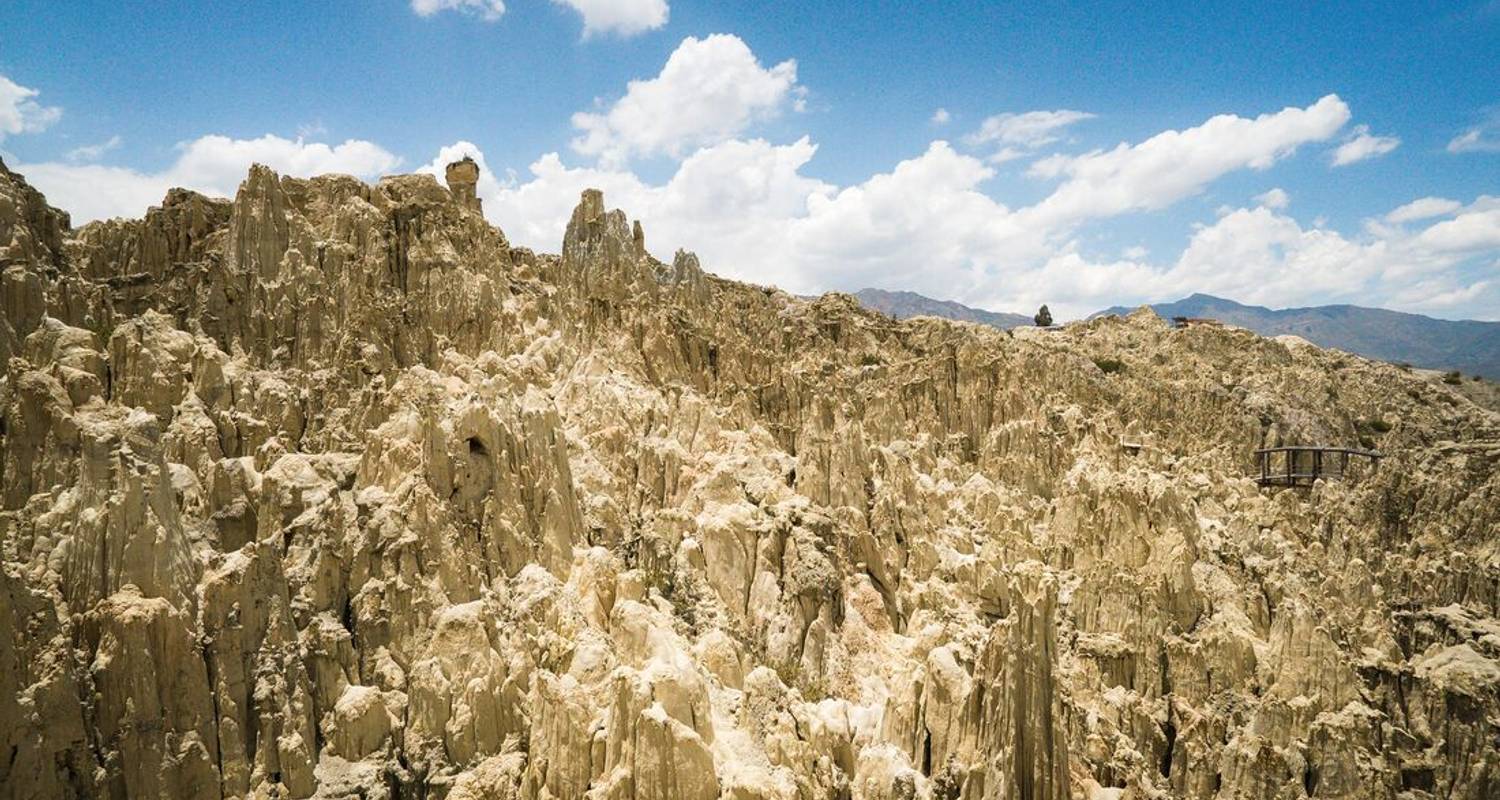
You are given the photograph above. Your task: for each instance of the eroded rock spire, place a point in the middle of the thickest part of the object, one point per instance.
(463, 180)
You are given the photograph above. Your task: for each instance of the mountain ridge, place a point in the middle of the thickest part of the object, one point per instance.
(1470, 346)
(903, 304)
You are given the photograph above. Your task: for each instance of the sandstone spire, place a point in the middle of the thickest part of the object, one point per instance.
(463, 180)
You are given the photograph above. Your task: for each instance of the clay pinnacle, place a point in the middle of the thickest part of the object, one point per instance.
(463, 179)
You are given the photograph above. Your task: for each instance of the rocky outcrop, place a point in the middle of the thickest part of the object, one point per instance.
(328, 491)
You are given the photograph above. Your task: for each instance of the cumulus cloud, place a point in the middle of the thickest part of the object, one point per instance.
(925, 225)
(213, 165)
(489, 184)
(487, 10)
(1276, 198)
(1258, 255)
(1474, 230)
(622, 17)
(709, 91)
(1176, 164)
(1424, 208)
(940, 117)
(20, 112)
(93, 152)
(1362, 145)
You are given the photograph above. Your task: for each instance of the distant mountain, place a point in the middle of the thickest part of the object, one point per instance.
(910, 304)
(1470, 346)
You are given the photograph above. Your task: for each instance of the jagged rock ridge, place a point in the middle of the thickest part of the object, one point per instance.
(329, 491)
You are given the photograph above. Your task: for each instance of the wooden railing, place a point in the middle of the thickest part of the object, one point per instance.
(1301, 466)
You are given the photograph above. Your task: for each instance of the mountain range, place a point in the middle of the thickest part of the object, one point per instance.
(904, 305)
(1470, 346)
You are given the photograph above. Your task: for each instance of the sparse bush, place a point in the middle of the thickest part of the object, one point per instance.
(869, 360)
(812, 687)
(1404, 366)
(1109, 366)
(1374, 425)
(1453, 378)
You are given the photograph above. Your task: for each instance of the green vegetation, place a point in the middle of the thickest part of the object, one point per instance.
(1453, 378)
(812, 687)
(1109, 366)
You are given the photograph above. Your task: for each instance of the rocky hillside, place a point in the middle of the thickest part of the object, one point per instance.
(1468, 345)
(328, 491)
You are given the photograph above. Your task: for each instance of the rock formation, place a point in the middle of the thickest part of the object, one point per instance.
(329, 491)
(462, 177)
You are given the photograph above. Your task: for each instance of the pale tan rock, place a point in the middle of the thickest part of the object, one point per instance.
(327, 491)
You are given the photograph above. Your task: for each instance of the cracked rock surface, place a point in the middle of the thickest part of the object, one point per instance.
(328, 491)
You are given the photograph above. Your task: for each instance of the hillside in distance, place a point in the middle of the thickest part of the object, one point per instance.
(1470, 346)
(905, 305)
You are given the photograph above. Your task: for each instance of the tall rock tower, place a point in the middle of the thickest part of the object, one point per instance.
(463, 178)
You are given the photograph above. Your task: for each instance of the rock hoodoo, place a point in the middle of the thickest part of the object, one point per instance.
(462, 177)
(329, 491)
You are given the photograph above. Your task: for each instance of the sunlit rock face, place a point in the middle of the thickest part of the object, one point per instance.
(328, 491)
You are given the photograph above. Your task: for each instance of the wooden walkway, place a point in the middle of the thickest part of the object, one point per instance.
(1299, 467)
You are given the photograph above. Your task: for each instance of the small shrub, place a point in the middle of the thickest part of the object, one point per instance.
(1109, 366)
(869, 360)
(1404, 366)
(1043, 317)
(1453, 378)
(1375, 425)
(813, 688)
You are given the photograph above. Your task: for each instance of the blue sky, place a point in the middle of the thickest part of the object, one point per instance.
(1132, 153)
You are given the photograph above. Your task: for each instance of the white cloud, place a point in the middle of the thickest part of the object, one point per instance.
(1276, 198)
(1473, 141)
(1176, 164)
(1018, 135)
(489, 185)
(487, 10)
(940, 117)
(1424, 208)
(1031, 129)
(1471, 231)
(709, 91)
(1361, 145)
(93, 152)
(213, 165)
(731, 203)
(622, 17)
(1482, 138)
(749, 211)
(20, 113)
